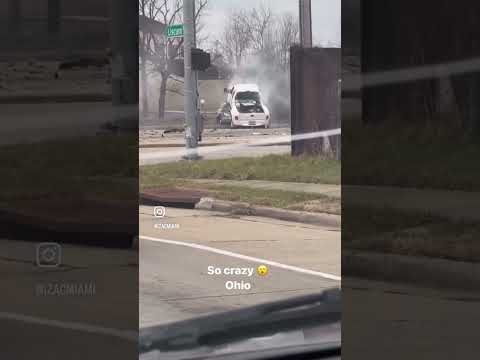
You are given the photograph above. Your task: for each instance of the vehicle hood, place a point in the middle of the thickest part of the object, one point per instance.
(296, 322)
(331, 337)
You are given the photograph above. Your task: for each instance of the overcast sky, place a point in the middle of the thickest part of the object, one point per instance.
(326, 17)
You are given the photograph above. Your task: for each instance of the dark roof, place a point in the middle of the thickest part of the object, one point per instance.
(150, 25)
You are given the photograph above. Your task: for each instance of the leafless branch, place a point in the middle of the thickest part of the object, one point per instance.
(176, 11)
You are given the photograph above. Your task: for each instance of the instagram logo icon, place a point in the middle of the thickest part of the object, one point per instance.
(49, 255)
(159, 211)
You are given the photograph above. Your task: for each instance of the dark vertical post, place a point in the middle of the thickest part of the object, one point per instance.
(124, 40)
(364, 58)
(198, 127)
(54, 16)
(315, 99)
(189, 89)
(14, 15)
(473, 112)
(305, 23)
(297, 97)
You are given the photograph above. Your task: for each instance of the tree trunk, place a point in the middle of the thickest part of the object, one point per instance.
(162, 96)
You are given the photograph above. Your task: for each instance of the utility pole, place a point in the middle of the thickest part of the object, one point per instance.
(189, 85)
(124, 48)
(197, 111)
(305, 23)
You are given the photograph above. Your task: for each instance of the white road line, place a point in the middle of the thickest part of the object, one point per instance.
(122, 334)
(245, 257)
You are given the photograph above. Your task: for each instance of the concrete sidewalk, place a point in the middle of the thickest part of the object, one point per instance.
(333, 191)
(449, 204)
(454, 205)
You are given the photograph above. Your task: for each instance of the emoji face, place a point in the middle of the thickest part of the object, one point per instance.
(262, 270)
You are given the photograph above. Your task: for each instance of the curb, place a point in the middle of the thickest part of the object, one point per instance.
(238, 208)
(175, 145)
(416, 270)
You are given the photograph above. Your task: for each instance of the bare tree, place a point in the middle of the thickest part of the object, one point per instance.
(158, 51)
(166, 50)
(236, 38)
(200, 7)
(259, 32)
(287, 34)
(261, 21)
(147, 9)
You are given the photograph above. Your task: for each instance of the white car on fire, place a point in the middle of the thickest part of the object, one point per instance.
(244, 107)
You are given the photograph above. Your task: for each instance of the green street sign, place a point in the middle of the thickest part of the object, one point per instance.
(174, 31)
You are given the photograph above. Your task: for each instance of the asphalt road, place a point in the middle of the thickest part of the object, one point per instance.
(152, 156)
(156, 148)
(400, 321)
(22, 340)
(174, 279)
(380, 320)
(39, 322)
(34, 122)
(173, 119)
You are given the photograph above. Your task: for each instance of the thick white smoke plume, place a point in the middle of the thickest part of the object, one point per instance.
(274, 84)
